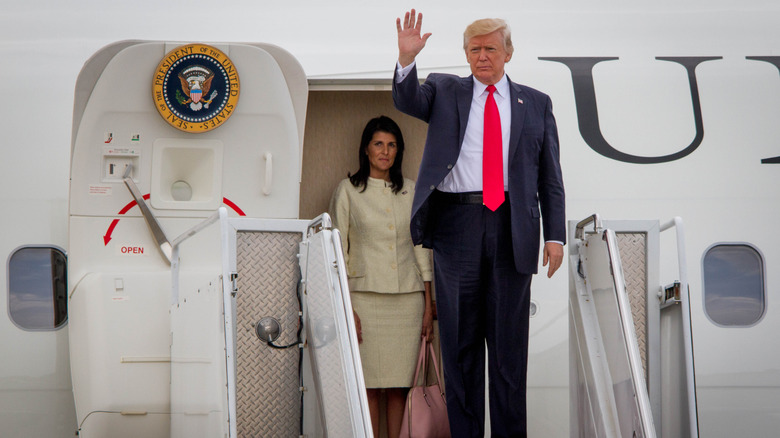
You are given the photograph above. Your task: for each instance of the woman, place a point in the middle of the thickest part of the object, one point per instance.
(389, 278)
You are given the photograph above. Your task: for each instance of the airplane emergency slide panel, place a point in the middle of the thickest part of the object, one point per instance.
(164, 134)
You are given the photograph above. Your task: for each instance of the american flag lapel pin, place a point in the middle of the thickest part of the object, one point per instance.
(519, 100)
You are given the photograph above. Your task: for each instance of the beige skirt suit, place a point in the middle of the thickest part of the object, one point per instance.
(386, 274)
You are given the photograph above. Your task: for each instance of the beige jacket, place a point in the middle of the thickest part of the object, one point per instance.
(375, 237)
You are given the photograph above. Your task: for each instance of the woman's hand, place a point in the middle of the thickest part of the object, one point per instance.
(358, 329)
(427, 325)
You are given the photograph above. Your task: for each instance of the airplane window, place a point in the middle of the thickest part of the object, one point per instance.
(37, 288)
(734, 291)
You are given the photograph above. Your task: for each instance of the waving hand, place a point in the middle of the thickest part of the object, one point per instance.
(410, 40)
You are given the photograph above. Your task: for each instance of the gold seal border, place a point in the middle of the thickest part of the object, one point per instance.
(158, 95)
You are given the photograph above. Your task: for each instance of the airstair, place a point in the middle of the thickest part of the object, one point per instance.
(269, 345)
(631, 354)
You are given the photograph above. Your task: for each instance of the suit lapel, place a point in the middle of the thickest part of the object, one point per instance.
(516, 101)
(464, 96)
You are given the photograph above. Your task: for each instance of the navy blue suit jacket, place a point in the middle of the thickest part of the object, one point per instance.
(535, 181)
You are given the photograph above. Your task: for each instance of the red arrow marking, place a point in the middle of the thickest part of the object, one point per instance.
(131, 204)
(107, 236)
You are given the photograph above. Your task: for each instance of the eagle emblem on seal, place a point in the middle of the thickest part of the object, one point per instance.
(196, 84)
(195, 88)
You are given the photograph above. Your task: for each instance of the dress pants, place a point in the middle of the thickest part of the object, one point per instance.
(480, 299)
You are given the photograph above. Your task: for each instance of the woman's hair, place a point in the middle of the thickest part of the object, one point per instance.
(380, 124)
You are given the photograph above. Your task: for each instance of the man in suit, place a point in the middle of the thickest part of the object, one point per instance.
(489, 171)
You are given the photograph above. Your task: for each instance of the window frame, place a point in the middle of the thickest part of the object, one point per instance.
(16, 250)
(764, 294)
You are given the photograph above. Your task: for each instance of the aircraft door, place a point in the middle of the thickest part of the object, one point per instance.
(188, 129)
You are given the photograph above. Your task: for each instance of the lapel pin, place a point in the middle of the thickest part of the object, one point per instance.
(519, 100)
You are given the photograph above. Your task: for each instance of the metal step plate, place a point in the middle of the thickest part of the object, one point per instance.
(268, 399)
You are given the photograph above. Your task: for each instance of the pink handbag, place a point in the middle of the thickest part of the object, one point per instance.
(425, 415)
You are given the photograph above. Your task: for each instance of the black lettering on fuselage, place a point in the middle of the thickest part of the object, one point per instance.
(587, 110)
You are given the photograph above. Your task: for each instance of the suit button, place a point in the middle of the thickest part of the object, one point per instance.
(392, 227)
(449, 166)
(394, 266)
(433, 187)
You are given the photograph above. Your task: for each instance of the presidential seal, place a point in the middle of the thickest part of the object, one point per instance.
(195, 88)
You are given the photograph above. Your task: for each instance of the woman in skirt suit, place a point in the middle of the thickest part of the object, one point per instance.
(389, 278)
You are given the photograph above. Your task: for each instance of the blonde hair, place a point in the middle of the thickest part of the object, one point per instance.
(489, 25)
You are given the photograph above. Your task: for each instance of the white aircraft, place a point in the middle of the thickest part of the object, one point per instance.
(113, 321)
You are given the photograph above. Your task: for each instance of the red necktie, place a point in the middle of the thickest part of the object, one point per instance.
(492, 162)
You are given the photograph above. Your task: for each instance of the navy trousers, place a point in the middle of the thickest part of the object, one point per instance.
(480, 299)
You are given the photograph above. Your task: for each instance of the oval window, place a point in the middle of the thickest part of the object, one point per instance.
(734, 292)
(37, 288)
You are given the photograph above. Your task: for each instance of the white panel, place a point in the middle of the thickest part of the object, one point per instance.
(198, 373)
(120, 349)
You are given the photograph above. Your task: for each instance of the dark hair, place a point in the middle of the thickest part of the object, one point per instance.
(380, 124)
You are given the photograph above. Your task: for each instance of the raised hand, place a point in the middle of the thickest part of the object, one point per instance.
(410, 40)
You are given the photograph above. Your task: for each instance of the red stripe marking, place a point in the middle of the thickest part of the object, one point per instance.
(132, 204)
(235, 208)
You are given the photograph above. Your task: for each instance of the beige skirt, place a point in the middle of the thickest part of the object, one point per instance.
(391, 325)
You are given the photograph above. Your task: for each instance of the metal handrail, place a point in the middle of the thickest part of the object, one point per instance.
(323, 220)
(350, 322)
(629, 335)
(581, 225)
(677, 224)
(217, 215)
(197, 228)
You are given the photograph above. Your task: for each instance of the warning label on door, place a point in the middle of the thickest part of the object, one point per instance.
(100, 190)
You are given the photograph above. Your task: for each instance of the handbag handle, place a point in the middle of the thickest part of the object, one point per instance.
(422, 362)
(435, 364)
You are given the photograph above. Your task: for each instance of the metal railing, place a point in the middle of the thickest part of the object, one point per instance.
(608, 347)
(685, 302)
(629, 335)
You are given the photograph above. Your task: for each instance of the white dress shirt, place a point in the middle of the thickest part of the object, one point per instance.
(466, 175)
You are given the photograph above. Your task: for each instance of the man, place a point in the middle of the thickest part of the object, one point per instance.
(490, 169)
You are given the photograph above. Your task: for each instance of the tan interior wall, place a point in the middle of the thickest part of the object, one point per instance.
(334, 124)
